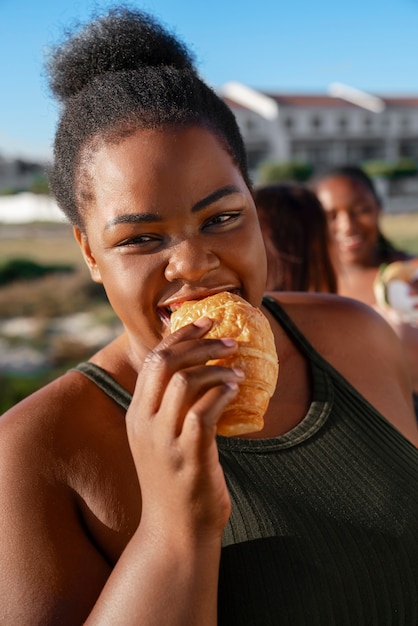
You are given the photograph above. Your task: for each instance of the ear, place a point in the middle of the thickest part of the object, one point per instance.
(83, 242)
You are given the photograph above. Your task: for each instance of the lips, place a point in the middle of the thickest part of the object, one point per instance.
(165, 310)
(349, 243)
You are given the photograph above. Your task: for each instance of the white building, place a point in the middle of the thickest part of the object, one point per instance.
(344, 126)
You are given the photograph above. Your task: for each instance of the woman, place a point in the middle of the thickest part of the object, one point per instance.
(353, 210)
(295, 234)
(120, 505)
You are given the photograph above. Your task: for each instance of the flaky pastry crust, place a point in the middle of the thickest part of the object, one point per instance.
(234, 317)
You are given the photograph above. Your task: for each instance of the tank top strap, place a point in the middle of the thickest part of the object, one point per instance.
(307, 349)
(294, 333)
(105, 382)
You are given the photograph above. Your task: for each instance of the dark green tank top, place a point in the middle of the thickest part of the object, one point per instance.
(324, 522)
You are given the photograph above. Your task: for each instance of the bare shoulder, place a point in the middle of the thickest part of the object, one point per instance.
(33, 424)
(47, 424)
(362, 346)
(66, 433)
(44, 545)
(333, 321)
(322, 302)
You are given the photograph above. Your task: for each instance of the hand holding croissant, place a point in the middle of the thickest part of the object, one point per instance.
(234, 317)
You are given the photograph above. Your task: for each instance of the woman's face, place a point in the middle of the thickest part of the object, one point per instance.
(352, 213)
(171, 220)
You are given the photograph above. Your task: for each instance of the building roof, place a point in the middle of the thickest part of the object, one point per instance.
(310, 100)
(307, 100)
(323, 100)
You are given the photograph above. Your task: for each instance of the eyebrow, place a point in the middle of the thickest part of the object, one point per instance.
(133, 218)
(147, 218)
(214, 197)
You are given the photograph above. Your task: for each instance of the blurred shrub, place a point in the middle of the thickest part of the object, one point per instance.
(281, 171)
(15, 388)
(39, 185)
(51, 295)
(25, 269)
(392, 170)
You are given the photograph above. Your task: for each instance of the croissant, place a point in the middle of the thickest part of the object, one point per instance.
(234, 317)
(395, 289)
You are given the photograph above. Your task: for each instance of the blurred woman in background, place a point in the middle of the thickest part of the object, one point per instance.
(353, 210)
(294, 228)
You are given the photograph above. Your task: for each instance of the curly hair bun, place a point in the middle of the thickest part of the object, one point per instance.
(122, 40)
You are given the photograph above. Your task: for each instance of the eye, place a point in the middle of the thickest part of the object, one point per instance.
(331, 216)
(364, 210)
(222, 219)
(140, 241)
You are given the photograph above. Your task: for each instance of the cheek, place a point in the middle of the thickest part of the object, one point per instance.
(254, 258)
(124, 285)
(332, 226)
(254, 238)
(369, 228)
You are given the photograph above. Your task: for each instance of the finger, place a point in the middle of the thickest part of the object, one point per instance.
(199, 425)
(179, 353)
(185, 389)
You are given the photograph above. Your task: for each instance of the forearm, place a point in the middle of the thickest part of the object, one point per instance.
(156, 581)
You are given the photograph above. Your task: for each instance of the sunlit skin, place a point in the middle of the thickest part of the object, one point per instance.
(173, 220)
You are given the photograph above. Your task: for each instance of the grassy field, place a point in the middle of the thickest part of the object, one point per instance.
(402, 230)
(45, 243)
(55, 243)
(51, 296)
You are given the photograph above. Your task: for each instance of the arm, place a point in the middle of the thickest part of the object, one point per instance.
(51, 572)
(168, 572)
(162, 578)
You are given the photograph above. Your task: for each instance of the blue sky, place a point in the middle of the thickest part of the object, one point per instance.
(292, 45)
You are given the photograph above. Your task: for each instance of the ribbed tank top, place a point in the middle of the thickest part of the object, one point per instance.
(324, 523)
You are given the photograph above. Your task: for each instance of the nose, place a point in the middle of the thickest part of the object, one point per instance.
(344, 222)
(189, 261)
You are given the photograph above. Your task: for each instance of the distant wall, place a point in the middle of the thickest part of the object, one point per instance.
(27, 207)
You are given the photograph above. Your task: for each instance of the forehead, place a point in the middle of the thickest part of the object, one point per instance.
(155, 164)
(338, 191)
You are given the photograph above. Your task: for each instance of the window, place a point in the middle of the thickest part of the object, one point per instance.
(343, 123)
(385, 121)
(316, 122)
(288, 122)
(368, 123)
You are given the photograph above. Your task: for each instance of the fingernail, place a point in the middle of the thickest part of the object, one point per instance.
(203, 322)
(238, 372)
(227, 341)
